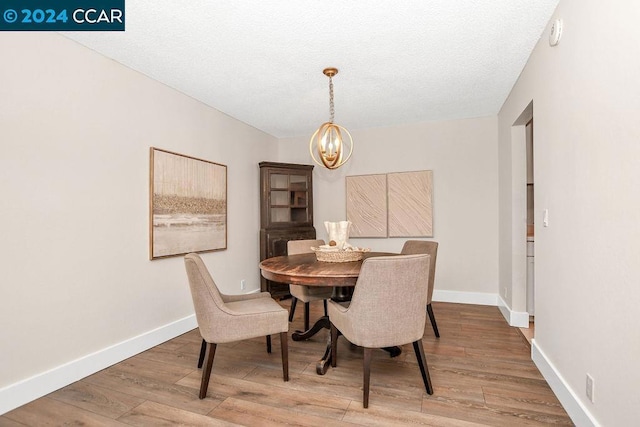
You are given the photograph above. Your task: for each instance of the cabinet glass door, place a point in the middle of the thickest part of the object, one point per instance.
(279, 198)
(280, 215)
(298, 197)
(288, 197)
(279, 181)
(298, 182)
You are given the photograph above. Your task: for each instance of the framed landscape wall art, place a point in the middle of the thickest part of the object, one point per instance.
(188, 205)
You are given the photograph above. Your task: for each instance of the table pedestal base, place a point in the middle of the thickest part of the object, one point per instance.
(323, 364)
(321, 323)
(340, 294)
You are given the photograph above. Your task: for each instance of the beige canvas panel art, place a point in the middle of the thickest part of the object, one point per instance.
(367, 205)
(410, 198)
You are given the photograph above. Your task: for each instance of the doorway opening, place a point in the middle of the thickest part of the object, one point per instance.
(529, 333)
(522, 222)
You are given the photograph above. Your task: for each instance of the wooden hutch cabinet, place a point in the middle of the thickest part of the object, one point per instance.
(286, 213)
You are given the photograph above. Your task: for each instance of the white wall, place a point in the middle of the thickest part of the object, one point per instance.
(75, 132)
(463, 157)
(586, 103)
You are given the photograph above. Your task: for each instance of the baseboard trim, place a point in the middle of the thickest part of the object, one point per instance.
(518, 319)
(579, 414)
(465, 297)
(22, 392)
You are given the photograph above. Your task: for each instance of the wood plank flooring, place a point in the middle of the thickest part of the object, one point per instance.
(480, 367)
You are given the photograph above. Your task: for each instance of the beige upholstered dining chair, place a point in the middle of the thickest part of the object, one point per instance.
(228, 318)
(306, 294)
(387, 309)
(429, 248)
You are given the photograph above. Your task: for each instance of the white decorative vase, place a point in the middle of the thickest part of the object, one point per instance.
(338, 232)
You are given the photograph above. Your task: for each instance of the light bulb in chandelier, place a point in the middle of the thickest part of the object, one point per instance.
(328, 145)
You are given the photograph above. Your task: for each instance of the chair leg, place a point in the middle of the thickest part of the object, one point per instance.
(422, 362)
(326, 313)
(206, 372)
(367, 375)
(292, 310)
(269, 344)
(203, 349)
(334, 346)
(306, 316)
(284, 349)
(432, 318)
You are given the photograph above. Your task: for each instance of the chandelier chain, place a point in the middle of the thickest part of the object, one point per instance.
(332, 111)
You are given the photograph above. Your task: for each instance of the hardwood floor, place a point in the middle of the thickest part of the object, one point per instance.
(529, 332)
(481, 370)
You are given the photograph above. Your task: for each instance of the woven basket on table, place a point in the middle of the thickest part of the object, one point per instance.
(338, 256)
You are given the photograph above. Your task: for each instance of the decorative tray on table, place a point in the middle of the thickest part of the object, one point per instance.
(348, 253)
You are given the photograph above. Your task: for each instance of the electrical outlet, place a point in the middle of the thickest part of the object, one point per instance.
(243, 284)
(506, 292)
(590, 387)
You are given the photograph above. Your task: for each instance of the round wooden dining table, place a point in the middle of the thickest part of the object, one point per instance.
(305, 269)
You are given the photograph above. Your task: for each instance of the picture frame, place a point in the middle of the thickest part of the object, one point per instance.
(187, 204)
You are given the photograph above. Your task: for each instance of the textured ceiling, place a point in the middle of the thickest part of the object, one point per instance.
(400, 61)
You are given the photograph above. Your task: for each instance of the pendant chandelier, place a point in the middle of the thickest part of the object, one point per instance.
(331, 145)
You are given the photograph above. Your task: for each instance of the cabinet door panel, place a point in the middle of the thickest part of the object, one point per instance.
(278, 246)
